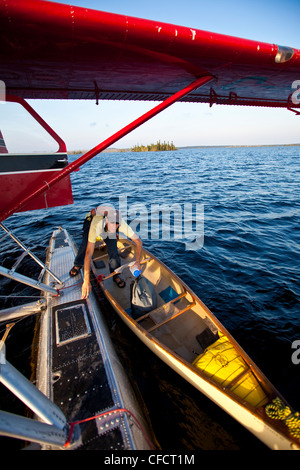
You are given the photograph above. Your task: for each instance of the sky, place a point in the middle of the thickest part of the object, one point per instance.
(82, 125)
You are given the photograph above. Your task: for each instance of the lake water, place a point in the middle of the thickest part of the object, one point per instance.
(246, 268)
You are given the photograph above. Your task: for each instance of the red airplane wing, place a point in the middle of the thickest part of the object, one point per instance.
(50, 50)
(54, 51)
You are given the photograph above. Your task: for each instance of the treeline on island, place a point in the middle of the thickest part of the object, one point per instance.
(158, 147)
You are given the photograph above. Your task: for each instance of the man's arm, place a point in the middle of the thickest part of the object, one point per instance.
(86, 286)
(139, 245)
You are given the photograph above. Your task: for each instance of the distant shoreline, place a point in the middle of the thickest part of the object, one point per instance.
(238, 146)
(116, 150)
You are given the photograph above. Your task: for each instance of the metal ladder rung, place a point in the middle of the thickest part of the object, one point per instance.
(18, 261)
(4, 236)
(41, 275)
(12, 274)
(26, 280)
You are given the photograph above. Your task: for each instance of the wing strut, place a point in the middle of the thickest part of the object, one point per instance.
(45, 185)
(16, 99)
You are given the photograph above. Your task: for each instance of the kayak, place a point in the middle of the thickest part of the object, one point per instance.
(186, 335)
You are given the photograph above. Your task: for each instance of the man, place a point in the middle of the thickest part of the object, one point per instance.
(105, 222)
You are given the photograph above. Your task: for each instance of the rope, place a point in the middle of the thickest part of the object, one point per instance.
(278, 410)
(117, 410)
(2, 341)
(45, 194)
(8, 328)
(98, 279)
(67, 287)
(20, 296)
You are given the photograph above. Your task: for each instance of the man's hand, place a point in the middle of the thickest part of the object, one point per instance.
(139, 245)
(86, 289)
(86, 286)
(137, 265)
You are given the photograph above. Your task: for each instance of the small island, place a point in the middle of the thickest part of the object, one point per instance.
(158, 147)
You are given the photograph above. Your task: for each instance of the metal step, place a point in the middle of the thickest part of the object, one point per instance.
(12, 274)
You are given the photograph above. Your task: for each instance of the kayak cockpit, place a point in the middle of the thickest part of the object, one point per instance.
(178, 318)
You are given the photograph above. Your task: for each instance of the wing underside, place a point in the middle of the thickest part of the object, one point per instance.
(54, 51)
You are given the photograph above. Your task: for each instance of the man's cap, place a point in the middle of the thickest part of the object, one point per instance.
(114, 216)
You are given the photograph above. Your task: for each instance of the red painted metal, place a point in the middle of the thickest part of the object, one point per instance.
(49, 50)
(15, 186)
(17, 99)
(45, 185)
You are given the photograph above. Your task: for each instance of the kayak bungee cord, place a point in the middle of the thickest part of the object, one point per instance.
(278, 410)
